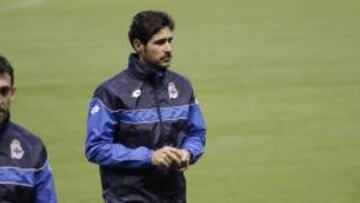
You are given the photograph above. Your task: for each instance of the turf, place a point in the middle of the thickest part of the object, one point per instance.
(279, 83)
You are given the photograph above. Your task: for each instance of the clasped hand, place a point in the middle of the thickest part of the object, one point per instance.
(171, 157)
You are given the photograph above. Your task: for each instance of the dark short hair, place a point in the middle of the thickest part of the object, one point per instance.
(5, 67)
(146, 23)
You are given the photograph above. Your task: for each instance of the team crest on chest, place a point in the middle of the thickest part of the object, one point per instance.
(173, 92)
(16, 150)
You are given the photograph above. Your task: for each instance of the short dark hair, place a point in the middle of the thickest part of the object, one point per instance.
(146, 23)
(5, 67)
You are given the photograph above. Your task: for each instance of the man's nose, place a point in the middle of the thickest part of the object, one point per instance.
(167, 47)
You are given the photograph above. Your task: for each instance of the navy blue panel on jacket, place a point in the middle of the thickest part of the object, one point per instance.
(25, 173)
(132, 114)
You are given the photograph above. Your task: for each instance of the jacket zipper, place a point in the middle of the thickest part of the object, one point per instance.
(162, 181)
(157, 103)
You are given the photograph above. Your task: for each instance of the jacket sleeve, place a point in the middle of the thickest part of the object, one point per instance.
(44, 184)
(100, 146)
(196, 132)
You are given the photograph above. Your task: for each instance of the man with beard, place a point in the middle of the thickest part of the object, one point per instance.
(25, 173)
(144, 124)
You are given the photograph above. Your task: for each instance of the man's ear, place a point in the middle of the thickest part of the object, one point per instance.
(138, 46)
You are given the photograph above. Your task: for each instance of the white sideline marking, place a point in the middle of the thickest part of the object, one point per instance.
(21, 4)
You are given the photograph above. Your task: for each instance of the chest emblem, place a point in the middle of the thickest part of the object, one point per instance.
(173, 92)
(136, 93)
(16, 150)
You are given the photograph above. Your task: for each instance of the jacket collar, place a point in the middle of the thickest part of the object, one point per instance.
(145, 71)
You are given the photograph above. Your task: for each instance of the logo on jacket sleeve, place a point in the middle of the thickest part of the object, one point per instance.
(16, 150)
(95, 109)
(173, 92)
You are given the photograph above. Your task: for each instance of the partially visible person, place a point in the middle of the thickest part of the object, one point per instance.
(25, 173)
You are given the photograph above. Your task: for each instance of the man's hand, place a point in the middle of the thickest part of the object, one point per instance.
(171, 157)
(166, 157)
(185, 159)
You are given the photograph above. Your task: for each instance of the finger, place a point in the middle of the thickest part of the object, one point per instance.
(162, 163)
(183, 168)
(185, 155)
(175, 151)
(174, 157)
(166, 161)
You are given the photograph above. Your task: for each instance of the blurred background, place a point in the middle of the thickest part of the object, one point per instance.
(278, 81)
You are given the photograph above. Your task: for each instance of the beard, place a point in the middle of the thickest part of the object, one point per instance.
(4, 113)
(162, 62)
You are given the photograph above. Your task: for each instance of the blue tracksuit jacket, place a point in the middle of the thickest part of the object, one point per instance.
(132, 114)
(25, 173)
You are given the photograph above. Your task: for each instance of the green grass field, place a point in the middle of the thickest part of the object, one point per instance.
(279, 83)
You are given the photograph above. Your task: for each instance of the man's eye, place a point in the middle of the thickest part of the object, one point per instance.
(160, 42)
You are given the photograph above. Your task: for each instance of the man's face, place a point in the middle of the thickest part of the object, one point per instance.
(157, 51)
(7, 95)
